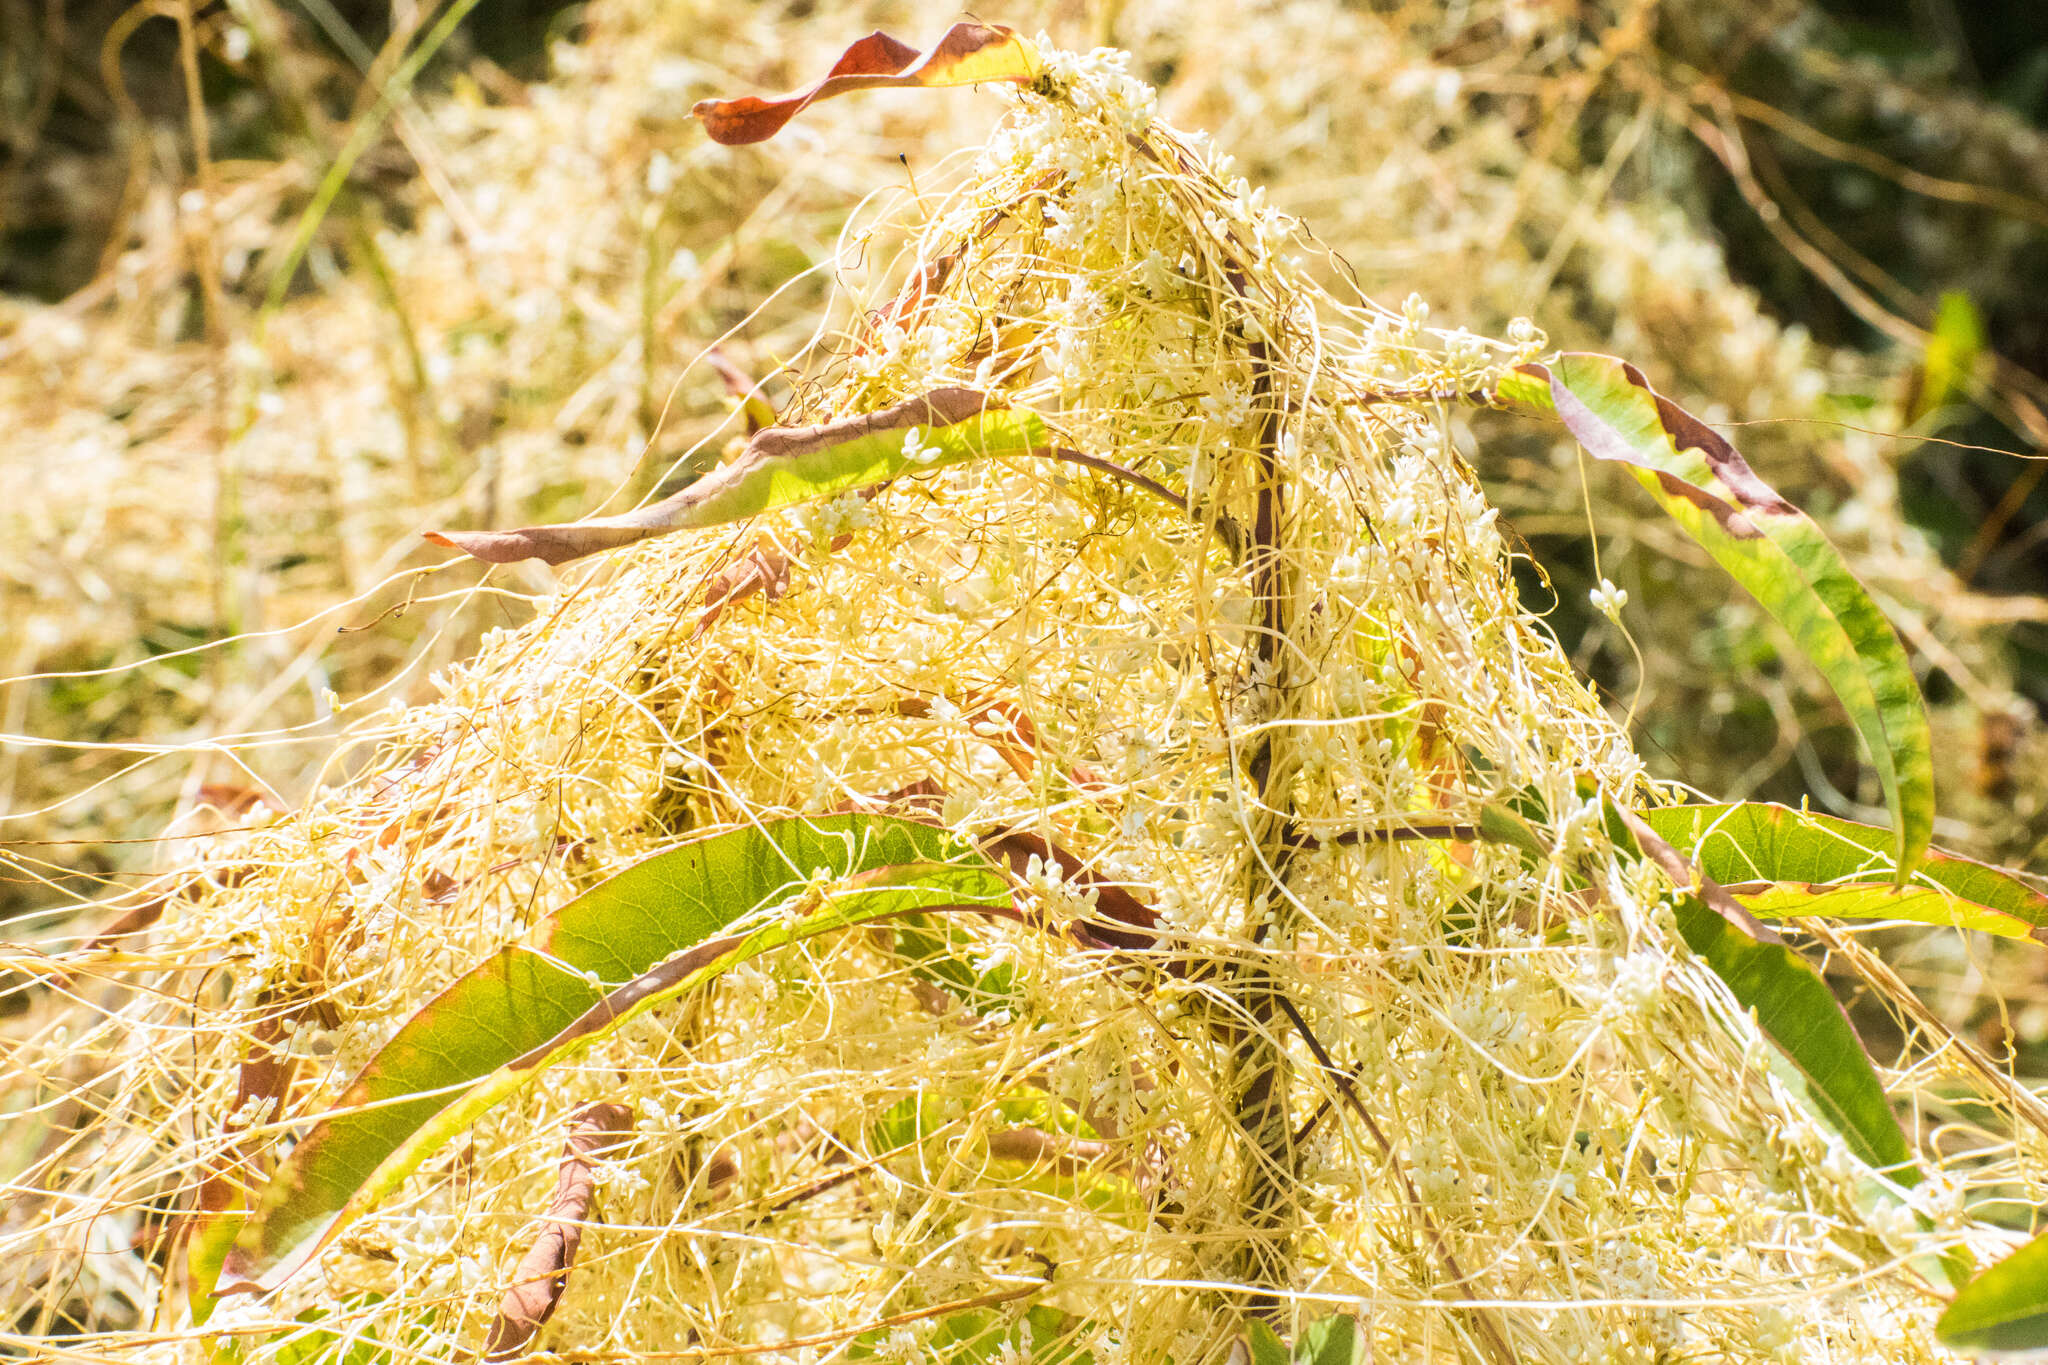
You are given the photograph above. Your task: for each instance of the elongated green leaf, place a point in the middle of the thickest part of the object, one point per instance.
(1767, 545)
(503, 1018)
(686, 972)
(1800, 1015)
(1794, 1008)
(786, 465)
(2005, 1308)
(942, 955)
(1781, 862)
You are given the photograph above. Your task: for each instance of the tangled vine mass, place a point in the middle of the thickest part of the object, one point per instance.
(1235, 651)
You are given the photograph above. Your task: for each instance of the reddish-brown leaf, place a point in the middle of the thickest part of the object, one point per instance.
(1009, 731)
(1124, 921)
(544, 1271)
(133, 920)
(967, 55)
(266, 1080)
(922, 797)
(763, 568)
(912, 301)
(1060, 1152)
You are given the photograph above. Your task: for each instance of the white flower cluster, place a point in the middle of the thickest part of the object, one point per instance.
(1100, 84)
(1045, 878)
(829, 518)
(1636, 985)
(1433, 1158)
(1073, 317)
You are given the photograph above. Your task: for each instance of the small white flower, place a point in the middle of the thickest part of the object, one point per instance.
(916, 452)
(1638, 987)
(1608, 600)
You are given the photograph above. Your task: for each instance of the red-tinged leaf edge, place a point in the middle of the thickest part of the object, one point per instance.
(968, 54)
(1775, 859)
(668, 909)
(1769, 546)
(543, 1271)
(742, 488)
(1687, 876)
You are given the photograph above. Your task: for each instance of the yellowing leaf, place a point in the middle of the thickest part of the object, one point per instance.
(1953, 348)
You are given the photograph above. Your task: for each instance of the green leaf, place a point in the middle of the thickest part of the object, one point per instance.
(1506, 824)
(941, 954)
(1782, 862)
(786, 465)
(212, 1237)
(1770, 547)
(1042, 1335)
(317, 1343)
(2005, 1308)
(1799, 1014)
(531, 1003)
(1333, 1340)
(1953, 349)
(1266, 1346)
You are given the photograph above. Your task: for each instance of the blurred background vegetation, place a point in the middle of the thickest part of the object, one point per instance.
(283, 282)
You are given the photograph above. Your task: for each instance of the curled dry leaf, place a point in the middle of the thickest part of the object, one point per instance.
(781, 466)
(968, 54)
(1121, 920)
(739, 386)
(1009, 731)
(763, 568)
(266, 1079)
(544, 1271)
(912, 301)
(923, 797)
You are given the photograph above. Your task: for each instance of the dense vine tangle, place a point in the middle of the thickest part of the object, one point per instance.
(1429, 1083)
